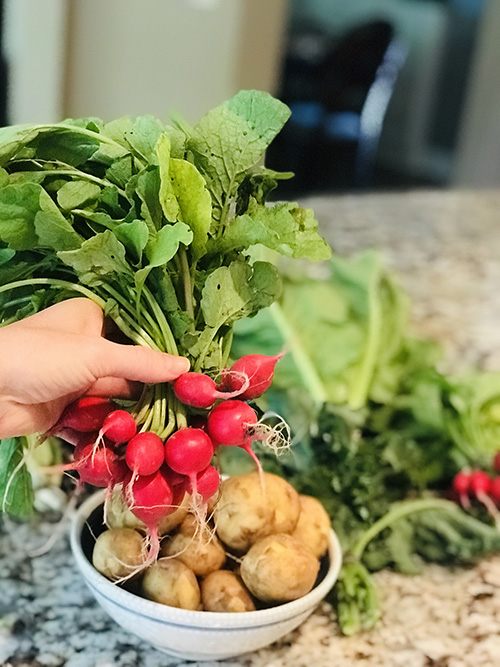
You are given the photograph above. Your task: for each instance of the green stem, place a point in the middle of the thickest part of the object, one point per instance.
(187, 283)
(54, 282)
(226, 346)
(305, 366)
(360, 387)
(170, 343)
(399, 511)
(128, 316)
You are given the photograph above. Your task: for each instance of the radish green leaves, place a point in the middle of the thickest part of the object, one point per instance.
(153, 222)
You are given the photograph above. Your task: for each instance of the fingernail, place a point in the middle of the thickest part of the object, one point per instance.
(180, 364)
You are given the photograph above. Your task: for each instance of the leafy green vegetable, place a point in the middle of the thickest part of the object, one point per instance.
(134, 214)
(382, 432)
(350, 328)
(16, 495)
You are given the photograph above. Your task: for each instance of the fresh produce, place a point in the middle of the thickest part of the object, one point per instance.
(251, 507)
(168, 581)
(196, 547)
(119, 515)
(155, 223)
(145, 453)
(204, 566)
(200, 391)
(313, 525)
(380, 432)
(118, 553)
(86, 414)
(224, 591)
(279, 568)
(258, 369)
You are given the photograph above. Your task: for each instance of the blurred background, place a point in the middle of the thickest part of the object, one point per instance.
(384, 93)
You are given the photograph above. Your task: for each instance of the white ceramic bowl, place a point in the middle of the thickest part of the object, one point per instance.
(195, 635)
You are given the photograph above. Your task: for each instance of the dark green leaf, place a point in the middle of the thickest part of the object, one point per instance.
(16, 491)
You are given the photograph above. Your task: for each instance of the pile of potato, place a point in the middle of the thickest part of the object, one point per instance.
(263, 546)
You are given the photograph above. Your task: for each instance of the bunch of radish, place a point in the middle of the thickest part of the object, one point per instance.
(155, 474)
(476, 484)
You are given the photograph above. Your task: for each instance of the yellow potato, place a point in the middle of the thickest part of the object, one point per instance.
(170, 582)
(313, 526)
(250, 508)
(196, 547)
(223, 591)
(279, 568)
(118, 553)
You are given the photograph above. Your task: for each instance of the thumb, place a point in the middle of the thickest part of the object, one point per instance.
(138, 363)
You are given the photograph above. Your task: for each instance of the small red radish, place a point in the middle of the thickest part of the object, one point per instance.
(199, 390)
(258, 368)
(145, 453)
(150, 499)
(173, 478)
(480, 487)
(85, 414)
(207, 483)
(230, 423)
(99, 466)
(461, 486)
(479, 482)
(119, 426)
(188, 451)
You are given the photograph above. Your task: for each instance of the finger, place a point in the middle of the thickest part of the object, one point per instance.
(77, 315)
(118, 387)
(135, 362)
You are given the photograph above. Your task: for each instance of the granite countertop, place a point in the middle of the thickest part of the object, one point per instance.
(444, 247)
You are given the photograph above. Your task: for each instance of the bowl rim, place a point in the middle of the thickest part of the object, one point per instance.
(185, 617)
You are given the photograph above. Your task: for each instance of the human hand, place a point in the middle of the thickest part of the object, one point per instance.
(59, 354)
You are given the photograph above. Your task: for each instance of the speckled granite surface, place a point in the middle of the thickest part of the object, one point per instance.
(445, 247)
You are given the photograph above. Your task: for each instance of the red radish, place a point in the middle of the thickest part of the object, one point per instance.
(496, 462)
(173, 478)
(479, 482)
(207, 483)
(480, 486)
(150, 499)
(145, 453)
(85, 414)
(119, 426)
(99, 466)
(188, 451)
(461, 485)
(199, 390)
(230, 423)
(258, 368)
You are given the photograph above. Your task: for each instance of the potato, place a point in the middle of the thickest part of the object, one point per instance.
(118, 514)
(223, 591)
(118, 552)
(196, 547)
(313, 526)
(279, 568)
(170, 582)
(247, 510)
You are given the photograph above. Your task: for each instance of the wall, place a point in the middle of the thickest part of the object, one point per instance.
(34, 45)
(114, 57)
(129, 57)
